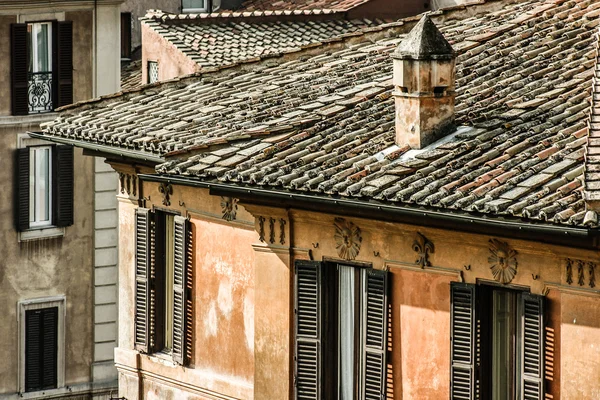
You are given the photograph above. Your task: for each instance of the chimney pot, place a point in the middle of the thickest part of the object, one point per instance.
(424, 76)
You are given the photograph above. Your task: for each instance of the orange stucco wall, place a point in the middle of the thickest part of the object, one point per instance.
(243, 302)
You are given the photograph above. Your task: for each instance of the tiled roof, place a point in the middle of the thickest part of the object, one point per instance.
(325, 124)
(221, 42)
(131, 75)
(592, 160)
(340, 5)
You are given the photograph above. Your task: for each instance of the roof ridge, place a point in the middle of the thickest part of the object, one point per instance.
(155, 14)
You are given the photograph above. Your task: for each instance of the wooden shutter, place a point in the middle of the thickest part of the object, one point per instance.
(19, 68)
(63, 185)
(375, 319)
(531, 311)
(142, 278)
(307, 310)
(41, 348)
(22, 189)
(462, 341)
(179, 288)
(63, 76)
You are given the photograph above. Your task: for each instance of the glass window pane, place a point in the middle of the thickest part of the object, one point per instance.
(40, 175)
(193, 4)
(43, 55)
(347, 312)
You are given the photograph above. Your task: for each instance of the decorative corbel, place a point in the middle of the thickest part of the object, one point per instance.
(348, 239)
(167, 190)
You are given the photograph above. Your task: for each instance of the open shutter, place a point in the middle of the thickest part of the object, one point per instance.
(63, 75)
(307, 309)
(375, 320)
(179, 288)
(22, 189)
(531, 311)
(462, 341)
(19, 69)
(63, 185)
(142, 278)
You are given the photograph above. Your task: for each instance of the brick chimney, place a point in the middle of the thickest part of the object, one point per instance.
(424, 75)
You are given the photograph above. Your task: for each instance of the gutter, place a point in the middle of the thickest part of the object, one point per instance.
(554, 234)
(100, 148)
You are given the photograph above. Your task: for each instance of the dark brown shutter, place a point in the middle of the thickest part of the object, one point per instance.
(142, 278)
(375, 335)
(63, 76)
(179, 288)
(19, 68)
(307, 309)
(462, 341)
(22, 189)
(41, 349)
(63, 185)
(531, 311)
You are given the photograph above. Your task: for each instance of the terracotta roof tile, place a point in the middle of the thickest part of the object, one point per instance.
(325, 124)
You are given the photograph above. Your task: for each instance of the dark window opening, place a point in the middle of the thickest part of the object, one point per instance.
(126, 35)
(439, 90)
(41, 349)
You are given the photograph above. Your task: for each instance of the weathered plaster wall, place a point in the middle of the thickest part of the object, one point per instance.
(47, 267)
(83, 42)
(138, 9)
(171, 62)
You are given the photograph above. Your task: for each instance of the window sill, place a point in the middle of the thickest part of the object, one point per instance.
(163, 358)
(42, 394)
(27, 119)
(41, 233)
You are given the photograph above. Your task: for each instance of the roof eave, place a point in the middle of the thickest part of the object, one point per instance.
(580, 237)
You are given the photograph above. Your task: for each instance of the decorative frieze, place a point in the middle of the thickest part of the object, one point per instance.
(128, 184)
(229, 208)
(423, 247)
(166, 189)
(582, 267)
(503, 261)
(282, 223)
(270, 231)
(348, 239)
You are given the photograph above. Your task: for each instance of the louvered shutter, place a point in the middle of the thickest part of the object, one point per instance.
(63, 74)
(462, 331)
(179, 288)
(307, 309)
(19, 69)
(142, 278)
(375, 306)
(531, 311)
(63, 185)
(41, 349)
(22, 189)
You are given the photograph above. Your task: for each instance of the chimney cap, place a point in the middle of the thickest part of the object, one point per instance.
(424, 42)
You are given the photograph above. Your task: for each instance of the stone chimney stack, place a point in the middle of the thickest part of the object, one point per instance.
(424, 75)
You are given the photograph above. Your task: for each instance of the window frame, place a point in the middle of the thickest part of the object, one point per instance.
(150, 73)
(35, 205)
(33, 49)
(36, 304)
(204, 9)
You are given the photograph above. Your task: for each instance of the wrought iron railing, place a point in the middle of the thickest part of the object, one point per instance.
(40, 92)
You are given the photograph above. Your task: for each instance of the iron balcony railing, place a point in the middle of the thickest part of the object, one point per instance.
(40, 92)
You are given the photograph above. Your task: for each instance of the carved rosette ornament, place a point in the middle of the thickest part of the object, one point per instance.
(229, 208)
(423, 247)
(503, 261)
(347, 239)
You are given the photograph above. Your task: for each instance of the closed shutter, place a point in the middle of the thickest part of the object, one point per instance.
(531, 311)
(63, 75)
(19, 69)
(63, 185)
(307, 309)
(179, 289)
(142, 278)
(462, 331)
(22, 189)
(41, 349)
(375, 320)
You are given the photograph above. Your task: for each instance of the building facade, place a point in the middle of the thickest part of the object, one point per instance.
(59, 276)
(399, 215)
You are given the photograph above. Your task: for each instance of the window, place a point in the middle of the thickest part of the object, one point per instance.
(340, 331)
(126, 35)
(194, 5)
(152, 71)
(44, 187)
(41, 356)
(496, 343)
(163, 284)
(41, 66)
